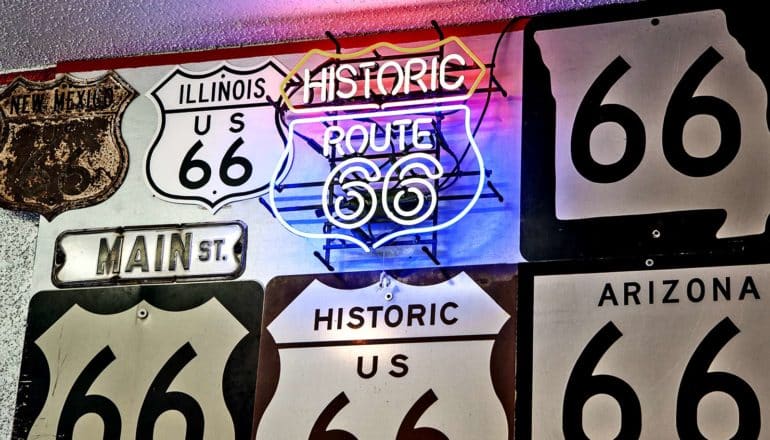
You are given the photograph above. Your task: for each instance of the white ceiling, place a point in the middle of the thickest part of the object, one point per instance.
(41, 32)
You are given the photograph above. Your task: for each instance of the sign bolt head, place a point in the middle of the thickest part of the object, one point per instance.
(142, 313)
(649, 262)
(656, 233)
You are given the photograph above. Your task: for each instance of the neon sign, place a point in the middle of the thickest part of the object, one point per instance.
(387, 167)
(375, 79)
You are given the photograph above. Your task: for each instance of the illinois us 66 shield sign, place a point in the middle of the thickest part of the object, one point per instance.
(420, 355)
(629, 352)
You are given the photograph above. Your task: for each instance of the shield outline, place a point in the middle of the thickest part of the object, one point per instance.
(287, 159)
(115, 131)
(219, 203)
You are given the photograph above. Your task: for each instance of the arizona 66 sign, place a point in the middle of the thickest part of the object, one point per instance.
(624, 351)
(644, 125)
(140, 362)
(424, 355)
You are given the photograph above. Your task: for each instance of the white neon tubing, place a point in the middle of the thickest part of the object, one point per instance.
(407, 187)
(288, 157)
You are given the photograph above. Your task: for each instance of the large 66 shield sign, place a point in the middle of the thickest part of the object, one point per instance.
(645, 127)
(423, 356)
(217, 141)
(144, 362)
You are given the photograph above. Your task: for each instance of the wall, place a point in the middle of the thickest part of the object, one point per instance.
(116, 28)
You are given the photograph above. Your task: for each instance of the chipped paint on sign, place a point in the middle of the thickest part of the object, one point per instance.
(60, 143)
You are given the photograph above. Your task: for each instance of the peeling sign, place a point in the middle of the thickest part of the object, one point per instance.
(60, 143)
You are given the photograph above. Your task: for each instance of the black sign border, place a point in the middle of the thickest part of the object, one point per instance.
(543, 236)
(243, 299)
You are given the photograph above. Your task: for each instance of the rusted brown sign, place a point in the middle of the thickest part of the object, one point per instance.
(60, 143)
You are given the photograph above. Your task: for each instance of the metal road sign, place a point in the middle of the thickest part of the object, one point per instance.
(140, 362)
(163, 253)
(619, 350)
(60, 143)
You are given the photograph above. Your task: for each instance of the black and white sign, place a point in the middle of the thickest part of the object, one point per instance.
(161, 362)
(651, 354)
(217, 141)
(645, 127)
(164, 253)
(419, 355)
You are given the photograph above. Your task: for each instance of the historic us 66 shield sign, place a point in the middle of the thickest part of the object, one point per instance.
(423, 355)
(217, 141)
(162, 362)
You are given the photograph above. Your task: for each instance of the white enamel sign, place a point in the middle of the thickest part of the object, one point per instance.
(417, 366)
(217, 141)
(161, 253)
(650, 354)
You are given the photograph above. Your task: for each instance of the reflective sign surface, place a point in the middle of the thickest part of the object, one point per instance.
(645, 127)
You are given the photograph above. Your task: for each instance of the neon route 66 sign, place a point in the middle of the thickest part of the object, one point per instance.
(375, 139)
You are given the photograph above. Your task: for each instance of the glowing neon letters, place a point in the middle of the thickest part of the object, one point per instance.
(365, 195)
(386, 169)
(342, 81)
(343, 140)
(405, 194)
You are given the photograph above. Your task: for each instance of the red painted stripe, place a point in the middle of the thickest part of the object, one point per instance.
(492, 27)
(32, 75)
